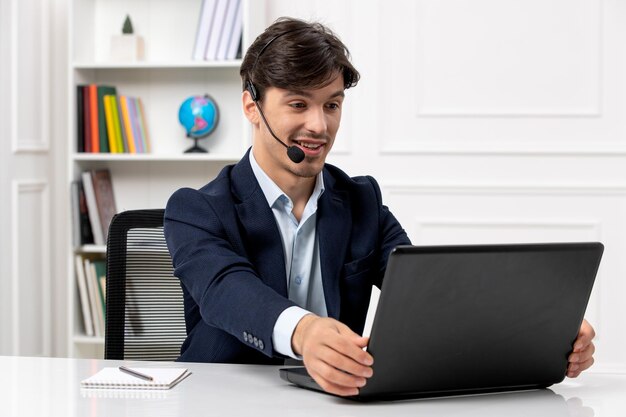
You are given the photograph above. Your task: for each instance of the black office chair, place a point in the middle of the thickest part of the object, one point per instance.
(144, 301)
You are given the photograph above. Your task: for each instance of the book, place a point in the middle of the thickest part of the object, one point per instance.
(75, 208)
(85, 306)
(123, 139)
(80, 119)
(94, 302)
(234, 43)
(134, 124)
(99, 267)
(163, 378)
(204, 28)
(227, 29)
(92, 208)
(111, 134)
(143, 126)
(216, 30)
(86, 119)
(126, 123)
(115, 117)
(93, 118)
(105, 199)
(101, 91)
(81, 228)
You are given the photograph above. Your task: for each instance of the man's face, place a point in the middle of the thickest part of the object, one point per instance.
(308, 119)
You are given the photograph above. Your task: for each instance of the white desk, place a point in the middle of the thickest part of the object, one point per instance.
(49, 387)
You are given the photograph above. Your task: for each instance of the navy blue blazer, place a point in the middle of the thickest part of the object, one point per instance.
(228, 254)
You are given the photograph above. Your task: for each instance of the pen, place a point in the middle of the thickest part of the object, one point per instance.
(135, 373)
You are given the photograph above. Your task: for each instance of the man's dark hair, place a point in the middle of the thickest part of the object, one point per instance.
(296, 55)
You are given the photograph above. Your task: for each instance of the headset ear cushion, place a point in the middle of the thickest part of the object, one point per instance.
(252, 89)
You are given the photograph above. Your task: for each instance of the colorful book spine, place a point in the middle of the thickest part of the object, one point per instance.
(108, 111)
(80, 119)
(93, 118)
(143, 126)
(134, 122)
(87, 119)
(103, 136)
(127, 125)
(123, 140)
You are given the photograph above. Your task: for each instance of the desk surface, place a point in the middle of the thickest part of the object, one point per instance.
(50, 387)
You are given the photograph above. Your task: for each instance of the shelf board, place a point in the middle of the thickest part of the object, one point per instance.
(88, 340)
(92, 157)
(91, 249)
(157, 65)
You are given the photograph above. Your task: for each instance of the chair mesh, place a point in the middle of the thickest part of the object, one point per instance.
(154, 323)
(144, 307)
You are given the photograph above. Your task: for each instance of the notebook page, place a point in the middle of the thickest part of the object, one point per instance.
(163, 378)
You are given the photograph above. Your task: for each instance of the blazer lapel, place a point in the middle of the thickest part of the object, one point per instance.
(260, 231)
(333, 231)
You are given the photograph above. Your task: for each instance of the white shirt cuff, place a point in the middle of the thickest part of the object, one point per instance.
(284, 328)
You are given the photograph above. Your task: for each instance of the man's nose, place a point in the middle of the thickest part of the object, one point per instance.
(316, 120)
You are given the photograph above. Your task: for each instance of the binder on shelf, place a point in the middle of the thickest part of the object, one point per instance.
(123, 139)
(87, 119)
(216, 30)
(105, 200)
(234, 42)
(111, 134)
(133, 114)
(83, 294)
(103, 90)
(96, 310)
(126, 124)
(227, 30)
(117, 127)
(100, 202)
(204, 29)
(82, 234)
(145, 138)
(93, 118)
(80, 119)
(92, 208)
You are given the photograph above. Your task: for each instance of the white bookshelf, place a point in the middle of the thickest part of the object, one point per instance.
(162, 80)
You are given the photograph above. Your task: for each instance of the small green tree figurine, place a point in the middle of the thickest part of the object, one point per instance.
(127, 29)
(127, 46)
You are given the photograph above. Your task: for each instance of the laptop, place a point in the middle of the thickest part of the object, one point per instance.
(457, 320)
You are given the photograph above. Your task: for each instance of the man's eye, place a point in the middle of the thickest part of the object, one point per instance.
(298, 105)
(333, 106)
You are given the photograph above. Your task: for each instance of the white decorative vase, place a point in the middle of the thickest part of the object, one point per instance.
(127, 48)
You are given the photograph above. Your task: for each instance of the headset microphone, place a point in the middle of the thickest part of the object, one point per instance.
(293, 152)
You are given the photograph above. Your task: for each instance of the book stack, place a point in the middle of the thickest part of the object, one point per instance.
(219, 33)
(91, 282)
(93, 207)
(109, 123)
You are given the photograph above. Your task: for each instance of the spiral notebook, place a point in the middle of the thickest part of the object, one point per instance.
(163, 378)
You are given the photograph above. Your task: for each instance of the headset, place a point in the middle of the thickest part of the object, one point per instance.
(293, 152)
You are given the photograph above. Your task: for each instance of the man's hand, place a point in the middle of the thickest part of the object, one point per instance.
(333, 354)
(582, 356)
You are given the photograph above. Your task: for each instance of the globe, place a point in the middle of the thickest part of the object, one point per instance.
(199, 116)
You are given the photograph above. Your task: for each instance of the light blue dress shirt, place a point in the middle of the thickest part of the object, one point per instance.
(302, 257)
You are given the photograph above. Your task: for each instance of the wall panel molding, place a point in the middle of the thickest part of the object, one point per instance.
(30, 268)
(39, 110)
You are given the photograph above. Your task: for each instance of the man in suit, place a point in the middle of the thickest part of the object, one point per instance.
(278, 254)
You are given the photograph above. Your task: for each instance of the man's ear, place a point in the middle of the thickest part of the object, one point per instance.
(249, 108)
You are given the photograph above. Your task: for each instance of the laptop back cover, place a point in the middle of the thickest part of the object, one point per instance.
(468, 319)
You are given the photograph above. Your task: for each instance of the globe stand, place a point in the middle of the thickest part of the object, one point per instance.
(196, 148)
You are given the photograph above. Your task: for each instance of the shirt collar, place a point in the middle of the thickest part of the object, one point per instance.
(272, 191)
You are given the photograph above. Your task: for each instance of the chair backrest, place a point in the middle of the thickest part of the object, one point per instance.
(144, 301)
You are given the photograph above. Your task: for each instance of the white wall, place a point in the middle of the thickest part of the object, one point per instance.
(493, 121)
